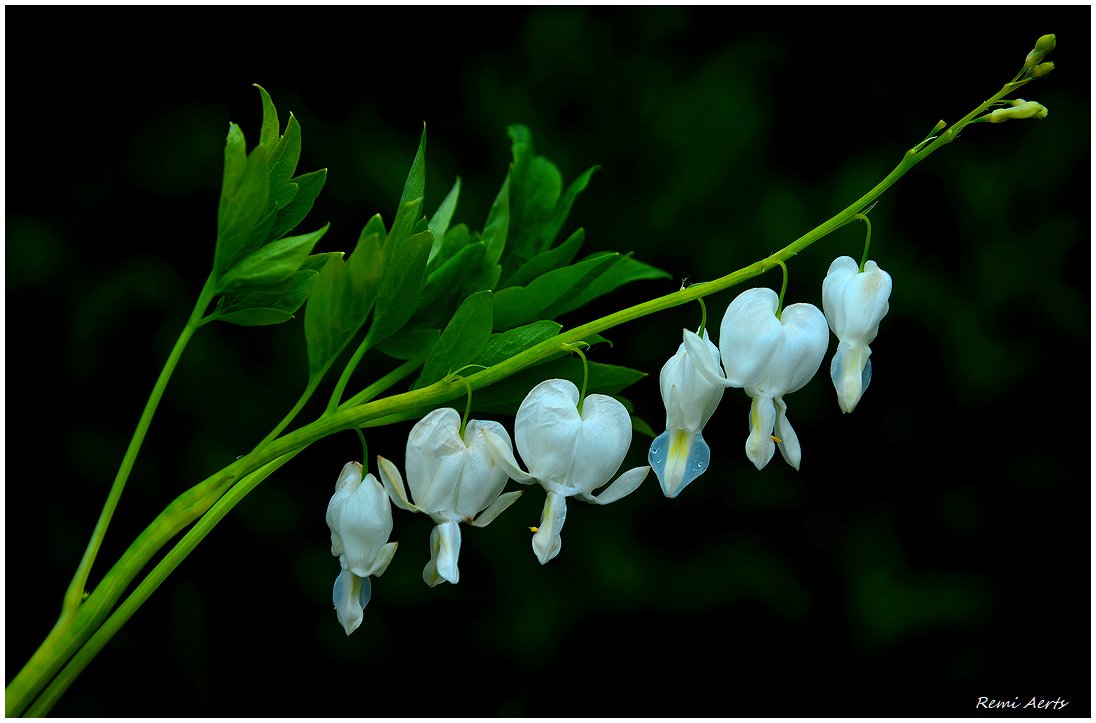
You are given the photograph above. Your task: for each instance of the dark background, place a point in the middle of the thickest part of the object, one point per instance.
(934, 547)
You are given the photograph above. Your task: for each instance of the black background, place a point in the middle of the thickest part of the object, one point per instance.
(934, 547)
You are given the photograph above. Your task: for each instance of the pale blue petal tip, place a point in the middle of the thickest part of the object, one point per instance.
(699, 457)
(658, 453)
(865, 378)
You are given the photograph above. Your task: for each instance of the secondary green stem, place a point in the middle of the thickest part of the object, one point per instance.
(75, 593)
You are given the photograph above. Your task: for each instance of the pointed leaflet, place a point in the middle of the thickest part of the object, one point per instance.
(414, 190)
(273, 304)
(245, 189)
(624, 271)
(547, 260)
(272, 263)
(439, 222)
(308, 186)
(501, 347)
(498, 223)
(341, 300)
(401, 284)
(461, 341)
(521, 304)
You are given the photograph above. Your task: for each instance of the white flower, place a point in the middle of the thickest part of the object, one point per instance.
(360, 519)
(571, 453)
(768, 357)
(452, 479)
(855, 302)
(679, 455)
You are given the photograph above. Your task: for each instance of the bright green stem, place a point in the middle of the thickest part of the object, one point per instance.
(783, 288)
(867, 239)
(75, 593)
(348, 370)
(703, 318)
(385, 383)
(166, 566)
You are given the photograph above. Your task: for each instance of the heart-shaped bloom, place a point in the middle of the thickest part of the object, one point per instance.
(855, 302)
(679, 455)
(768, 357)
(570, 453)
(360, 519)
(453, 478)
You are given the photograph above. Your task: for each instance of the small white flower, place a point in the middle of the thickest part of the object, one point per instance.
(360, 519)
(453, 479)
(855, 302)
(679, 455)
(768, 357)
(570, 453)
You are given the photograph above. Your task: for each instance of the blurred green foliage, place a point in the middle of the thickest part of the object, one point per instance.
(934, 547)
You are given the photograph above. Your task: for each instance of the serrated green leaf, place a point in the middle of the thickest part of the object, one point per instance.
(414, 191)
(283, 162)
(439, 222)
(547, 260)
(504, 397)
(272, 304)
(462, 339)
(504, 345)
(409, 343)
(244, 194)
(401, 284)
(271, 126)
(517, 305)
(272, 263)
(308, 186)
(497, 224)
(624, 271)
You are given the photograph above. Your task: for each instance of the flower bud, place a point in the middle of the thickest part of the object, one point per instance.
(1020, 109)
(1043, 46)
(1042, 69)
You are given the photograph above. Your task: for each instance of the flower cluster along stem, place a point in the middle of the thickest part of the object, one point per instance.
(87, 624)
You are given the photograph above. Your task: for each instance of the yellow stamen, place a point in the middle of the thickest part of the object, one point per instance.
(534, 529)
(776, 439)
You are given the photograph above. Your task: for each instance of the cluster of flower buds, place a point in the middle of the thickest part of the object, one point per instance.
(768, 353)
(456, 472)
(1034, 61)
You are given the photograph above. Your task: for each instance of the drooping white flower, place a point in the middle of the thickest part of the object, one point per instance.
(768, 357)
(679, 455)
(360, 519)
(453, 479)
(570, 453)
(855, 302)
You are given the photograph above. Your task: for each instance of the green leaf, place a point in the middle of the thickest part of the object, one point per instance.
(245, 190)
(449, 284)
(624, 271)
(414, 191)
(409, 343)
(341, 300)
(456, 238)
(462, 340)
(401, 284)
(506, 396)
(272, 263)
(439, 222)
(497, 224)
(642, 428)
(504, 345)
(563, 208)
(283, 162)
(547, 260)
(520, 304)
(308, 186)
(272, 304)
(271, 127)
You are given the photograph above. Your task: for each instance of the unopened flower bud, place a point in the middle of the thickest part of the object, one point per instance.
(1020, 109)
(1042, 69)
(1045, 44)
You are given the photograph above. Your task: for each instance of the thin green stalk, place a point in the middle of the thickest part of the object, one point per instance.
(75, 593)
(385, 383)
(152, 581)
(348, 370)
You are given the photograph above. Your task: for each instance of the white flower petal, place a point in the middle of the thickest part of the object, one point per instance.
(546, 428)
(393, 483)
(850, 371)
(708, 368)
(760, 447)
(444, 551)
(364, 525)
(834, 286)
(482, 478)
(383, 559)
(624, 485)
(749, 335)
(690, 399)
(496, 508)
(546, 540)
(435, 459)
(789, 441)
(602, 443)
(350, 595)
(504, 456)
(800, 353)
